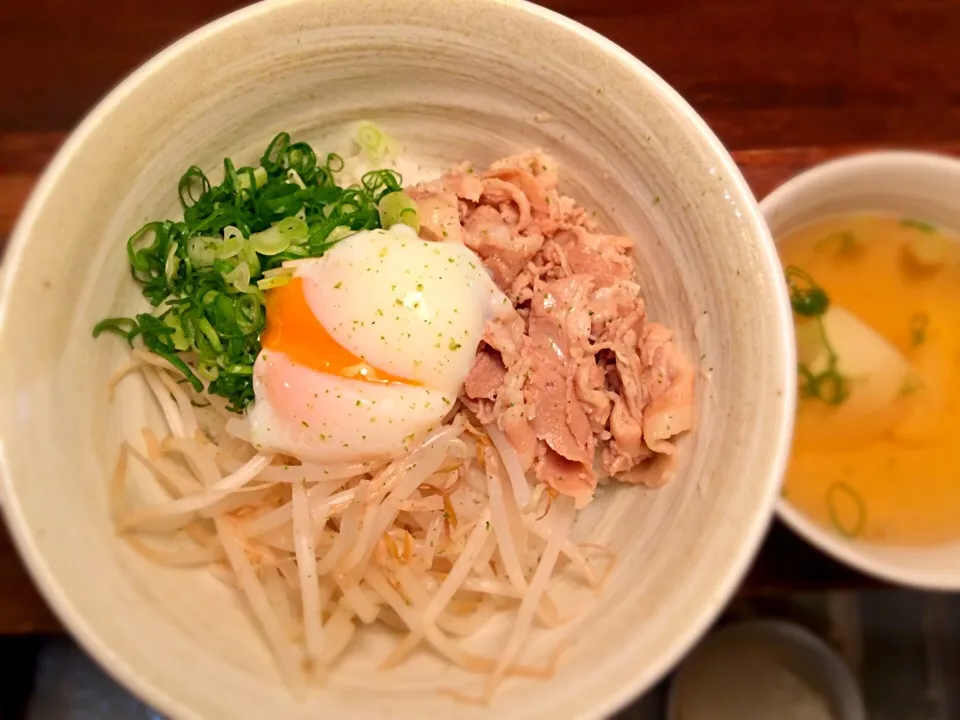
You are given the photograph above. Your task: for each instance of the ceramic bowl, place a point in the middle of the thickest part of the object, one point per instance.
(450, 80)
(700, 679)
(913, 184)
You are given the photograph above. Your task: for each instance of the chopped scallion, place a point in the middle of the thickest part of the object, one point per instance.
(206, 274)
(398, 207)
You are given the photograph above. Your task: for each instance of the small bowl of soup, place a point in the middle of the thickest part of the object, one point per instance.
(870, 246)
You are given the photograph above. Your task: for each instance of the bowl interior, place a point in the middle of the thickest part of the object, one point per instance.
(434, 76)
(914, 185)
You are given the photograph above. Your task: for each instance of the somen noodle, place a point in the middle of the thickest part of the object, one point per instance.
(436, 544)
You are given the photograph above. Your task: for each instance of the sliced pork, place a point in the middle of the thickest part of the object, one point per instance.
(578, 378)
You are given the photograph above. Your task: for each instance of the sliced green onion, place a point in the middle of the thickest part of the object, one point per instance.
(118, 326)
(249, 313)
(840, 493)
(377, 145)
(273, 155)
(249, 253)
(294, 177)
(239, 369)
(208, 371)
(398, 207)
(810, 300)
(274, 282)
(192, 187)
(233, 244)
(172, 264)
(205, 275)
(239, 277)
(269, 242)
(179, 338)
(202, 251)
(806, 297)
(274, 278)
(339, 233)
(259, 178)
(293, 229)
(210, 333)
(918, 328)
(921, 225)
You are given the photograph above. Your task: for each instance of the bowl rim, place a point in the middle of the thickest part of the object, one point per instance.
(844, 550)
(610, 702)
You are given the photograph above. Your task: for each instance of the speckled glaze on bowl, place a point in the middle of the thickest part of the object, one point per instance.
(452, 80)
(914, 184)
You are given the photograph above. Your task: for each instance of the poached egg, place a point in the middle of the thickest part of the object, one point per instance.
(367, 347)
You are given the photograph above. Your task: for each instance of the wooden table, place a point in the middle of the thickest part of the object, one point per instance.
(784, 83)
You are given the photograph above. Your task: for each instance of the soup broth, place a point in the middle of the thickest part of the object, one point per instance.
(877, 448)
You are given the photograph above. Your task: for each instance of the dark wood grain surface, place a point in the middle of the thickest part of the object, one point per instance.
(784, 83)
(764, 73)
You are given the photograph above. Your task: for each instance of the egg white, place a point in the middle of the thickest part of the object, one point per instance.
(412, 308)
(328, 419)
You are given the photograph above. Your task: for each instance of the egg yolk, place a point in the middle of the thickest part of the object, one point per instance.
(294, 330)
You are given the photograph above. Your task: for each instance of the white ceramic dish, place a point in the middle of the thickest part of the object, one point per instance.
(452, 80)
(916, 185)
(797, 650)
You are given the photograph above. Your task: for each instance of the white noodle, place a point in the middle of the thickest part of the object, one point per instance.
(308, 472)
(364, 543)
(176, 482)
(349, 530)
(307, 564)
(276, 591)
(521, 488)
(260, 605)
(431, 540)
(191, 504)
(420, 506)
(465, 626)
(482, 561)
(559, 517)
(434, 543)
(187, 417)
(337, 634)
(148, 358)
(419, 596)
(490, 586)
(167, 404)
(200, 456)
(357, 599)
(501, 527)
(568, 548)
(320, 503)
(437, 639)
(474, 546)
(288, 569)
(419, 466)
(450, 585)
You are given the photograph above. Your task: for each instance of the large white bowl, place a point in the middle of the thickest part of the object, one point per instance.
(452, 80)
(913, 184)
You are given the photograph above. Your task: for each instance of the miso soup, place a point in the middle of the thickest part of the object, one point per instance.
(876, 302)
